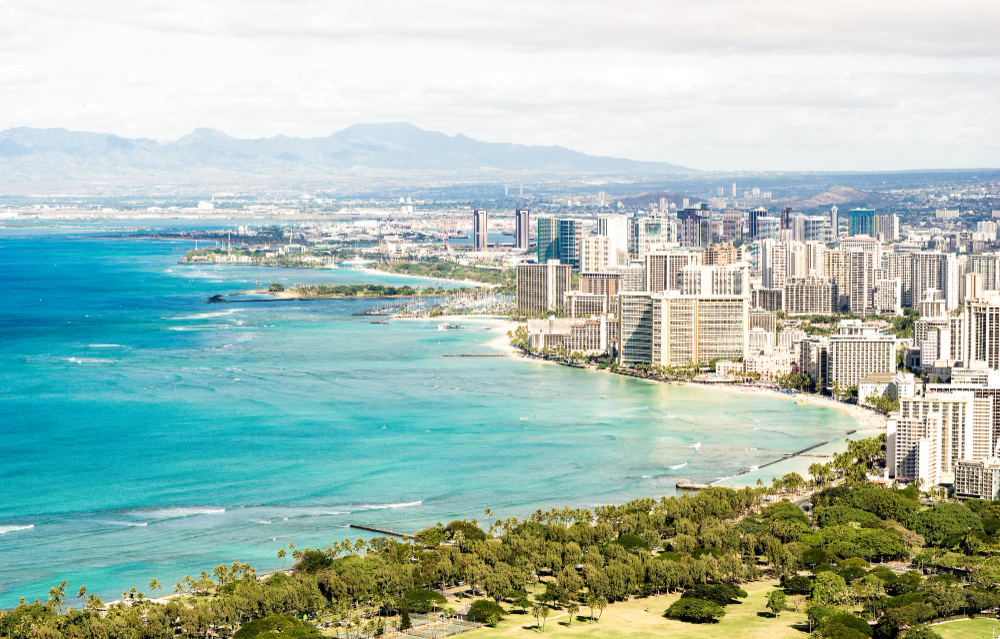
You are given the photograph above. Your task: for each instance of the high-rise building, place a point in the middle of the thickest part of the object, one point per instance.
(570, 232)
(594, 254)
(542, 287)
(862, 222)
(753, 229)
(559, 239)
(810, 295)
(887, 227)
(861, 271)
(547, 237)
(732, 226)
(648, 233)
(480, 240)
(787, 215)
(672, 329)
(887, 297)
(663, 267)
(982, 331)
(773, 263)
(606, 283)
(834, 223)
(696, 279)
(615, 228)
(933, 432)
(856, 354)
(522, 234)
(899, 266)
(768, 228)
(721, 255)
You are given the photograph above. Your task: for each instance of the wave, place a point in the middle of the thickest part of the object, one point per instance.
(13, 528)
(207, 315)
(647, 476)
(384, 506)
(696, 446)
(89, 360)
(135, 524)
(203, 327)
(104, 346)
(677, 466)
(669, 416)
(175, 512)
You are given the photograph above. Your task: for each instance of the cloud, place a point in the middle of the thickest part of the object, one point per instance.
(707, 83)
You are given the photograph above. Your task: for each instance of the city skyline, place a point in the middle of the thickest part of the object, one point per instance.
(728, 86)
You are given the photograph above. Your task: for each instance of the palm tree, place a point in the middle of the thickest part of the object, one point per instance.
(82, 593)
(545, 614)
(281, 556)
(155, 585)
(572, 609)
(56, 596)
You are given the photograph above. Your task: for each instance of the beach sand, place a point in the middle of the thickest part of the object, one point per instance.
(870, 423)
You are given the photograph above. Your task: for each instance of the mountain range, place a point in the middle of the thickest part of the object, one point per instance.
(67, 157)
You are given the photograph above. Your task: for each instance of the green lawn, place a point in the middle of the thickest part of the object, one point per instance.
(643, 618)
(968, 629)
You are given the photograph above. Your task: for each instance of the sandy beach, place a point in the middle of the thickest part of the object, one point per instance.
(870, 423)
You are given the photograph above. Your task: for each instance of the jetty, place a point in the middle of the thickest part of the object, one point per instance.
(684, 484)
(474, 355)
(381, 531)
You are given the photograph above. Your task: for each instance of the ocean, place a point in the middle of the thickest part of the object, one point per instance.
(145, 433)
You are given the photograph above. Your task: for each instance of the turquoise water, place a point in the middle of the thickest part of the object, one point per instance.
(147, 434)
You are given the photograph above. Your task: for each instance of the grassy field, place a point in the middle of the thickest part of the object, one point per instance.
(967, 629)
(643, 618)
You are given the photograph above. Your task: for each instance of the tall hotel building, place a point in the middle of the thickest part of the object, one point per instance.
(542, 287)
(522, 234)
(676, 329)
(479, 230)
(615, 228)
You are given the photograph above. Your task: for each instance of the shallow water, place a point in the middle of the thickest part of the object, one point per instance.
(148, 434)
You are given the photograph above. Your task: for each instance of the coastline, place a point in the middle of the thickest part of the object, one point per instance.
(376, 271)
(499, 342)
(870, 423)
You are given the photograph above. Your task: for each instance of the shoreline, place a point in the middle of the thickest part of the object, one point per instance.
(870, 423)
(376, 271)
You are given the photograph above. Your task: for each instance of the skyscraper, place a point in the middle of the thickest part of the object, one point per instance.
(479, 230)
(755, 215)
(615, 228)
(522, 234)
(834, 222)
(786, 217)
(862, 222)
(559, 240)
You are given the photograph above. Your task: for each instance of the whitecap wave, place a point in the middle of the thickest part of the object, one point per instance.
(104, 346)
(696, 446)
(89, 360)
(14, 527)
(677, 466)
(176, 512)
(206, 315)
(670, 416)
(384, 506)
(134, 524)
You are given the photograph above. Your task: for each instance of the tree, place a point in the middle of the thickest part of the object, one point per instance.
(154, 585)
(281, 556)
(572, 609)
(922, 632)
(775, 601)
(695, 610)
(829, 588)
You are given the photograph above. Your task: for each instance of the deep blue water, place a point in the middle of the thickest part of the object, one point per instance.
(145, 433)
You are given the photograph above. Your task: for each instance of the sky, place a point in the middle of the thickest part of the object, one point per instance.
(709, 84)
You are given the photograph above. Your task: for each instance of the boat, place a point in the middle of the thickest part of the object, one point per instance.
(448, 327)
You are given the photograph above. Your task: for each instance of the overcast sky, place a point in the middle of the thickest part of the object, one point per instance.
(711, 84)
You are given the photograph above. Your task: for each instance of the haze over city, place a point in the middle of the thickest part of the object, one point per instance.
(717, 85)
(494, 320)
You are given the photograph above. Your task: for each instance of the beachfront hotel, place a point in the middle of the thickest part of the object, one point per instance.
(673, 329)
(542, 287)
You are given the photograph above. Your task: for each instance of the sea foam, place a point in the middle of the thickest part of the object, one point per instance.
(4, 529)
